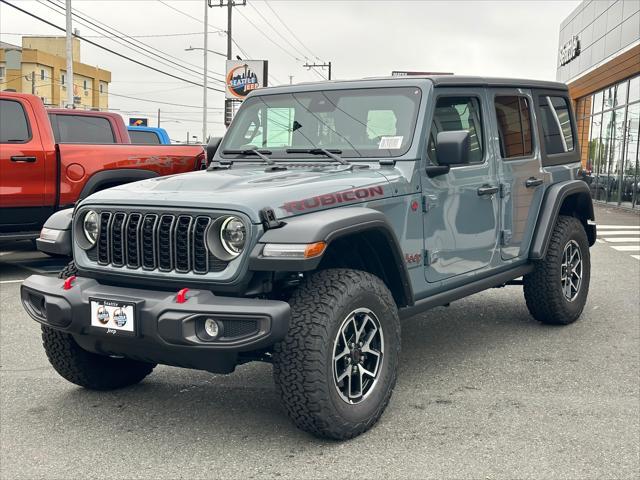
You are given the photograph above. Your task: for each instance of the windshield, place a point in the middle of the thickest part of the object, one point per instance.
(376, 122)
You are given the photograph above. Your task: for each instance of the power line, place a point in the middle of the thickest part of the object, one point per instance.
(158, 35)
(289, 30)
(277, 31)
(156, 55)
(95, 44)
(268, 37)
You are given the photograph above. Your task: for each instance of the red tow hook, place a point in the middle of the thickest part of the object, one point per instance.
(68, 283)
(181, 297)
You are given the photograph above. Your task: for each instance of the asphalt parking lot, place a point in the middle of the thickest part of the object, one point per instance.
(484, 391)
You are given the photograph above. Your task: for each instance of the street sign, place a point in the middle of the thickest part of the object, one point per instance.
(138, 122)
(243, 76)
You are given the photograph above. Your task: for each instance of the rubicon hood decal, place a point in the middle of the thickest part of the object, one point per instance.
(337, 198)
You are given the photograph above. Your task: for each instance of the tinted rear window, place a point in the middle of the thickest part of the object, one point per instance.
(14, 126)
(147, 138)
(82, 129)
(556, 124)
(514, 126)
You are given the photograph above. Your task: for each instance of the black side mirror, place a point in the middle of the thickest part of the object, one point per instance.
(453, 147)
(212, 147)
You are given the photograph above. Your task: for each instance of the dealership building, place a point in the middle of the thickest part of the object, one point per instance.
(599, 58)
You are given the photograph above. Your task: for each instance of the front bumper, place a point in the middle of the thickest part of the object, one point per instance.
(165, 331)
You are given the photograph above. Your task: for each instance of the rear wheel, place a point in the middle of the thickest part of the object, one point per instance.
(336, 368)
(556, 291)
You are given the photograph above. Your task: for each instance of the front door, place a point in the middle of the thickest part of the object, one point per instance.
(520, 169)
(22, 168)
(461, 221)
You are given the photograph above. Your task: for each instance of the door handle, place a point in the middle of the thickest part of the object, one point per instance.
(488, 190)
(19, 159)
(533, 182)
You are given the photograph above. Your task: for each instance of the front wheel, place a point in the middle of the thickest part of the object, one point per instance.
(336, 368)
(556, 291)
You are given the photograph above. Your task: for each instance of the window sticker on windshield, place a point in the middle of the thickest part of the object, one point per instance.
(390, 143)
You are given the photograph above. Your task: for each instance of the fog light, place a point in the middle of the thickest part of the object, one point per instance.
(211, 327)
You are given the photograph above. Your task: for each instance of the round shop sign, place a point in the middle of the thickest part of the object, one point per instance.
(241, 81)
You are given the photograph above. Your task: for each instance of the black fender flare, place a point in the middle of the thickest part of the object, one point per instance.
(116, 176)
(555, 202)
(327, 226)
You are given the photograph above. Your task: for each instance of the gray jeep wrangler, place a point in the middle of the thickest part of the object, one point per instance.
(329, 212)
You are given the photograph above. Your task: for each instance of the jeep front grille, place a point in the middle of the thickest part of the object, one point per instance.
(163, 242)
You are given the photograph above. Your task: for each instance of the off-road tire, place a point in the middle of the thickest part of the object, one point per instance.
(87, 369)
(303, 361)
(542, 287)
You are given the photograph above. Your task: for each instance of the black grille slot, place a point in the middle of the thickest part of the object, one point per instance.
(165, 243)
(200, 253)
(183, 243)
(239, 328)
(133, 240)
(148, 241)
(117, 247)
(103, 238)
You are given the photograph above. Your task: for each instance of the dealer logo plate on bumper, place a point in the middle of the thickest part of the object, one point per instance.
(113, 317)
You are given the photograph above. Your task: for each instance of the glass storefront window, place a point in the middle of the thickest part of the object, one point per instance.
(634, 89)
(631, 180)
(611, 137)
(597, 102)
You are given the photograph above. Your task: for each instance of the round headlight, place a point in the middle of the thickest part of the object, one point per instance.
(90, 226)
(233, 235)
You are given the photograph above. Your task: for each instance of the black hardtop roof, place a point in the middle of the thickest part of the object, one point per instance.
(436, 80)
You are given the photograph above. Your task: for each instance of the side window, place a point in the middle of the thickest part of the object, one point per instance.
(84, 129)
(144, 138)
(556, 124)
(514, 126)
(458, 113)
(14, 126)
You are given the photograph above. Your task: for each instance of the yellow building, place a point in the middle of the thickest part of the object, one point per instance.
(39, 67)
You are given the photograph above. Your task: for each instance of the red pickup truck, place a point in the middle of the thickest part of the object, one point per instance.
(39, 176)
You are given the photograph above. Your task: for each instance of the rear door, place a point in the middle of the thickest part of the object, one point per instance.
(461, 221)
(520, 171)
(22, 167)
(69, 128)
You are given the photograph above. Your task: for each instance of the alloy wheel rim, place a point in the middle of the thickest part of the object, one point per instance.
(571, 270)
(358, 351)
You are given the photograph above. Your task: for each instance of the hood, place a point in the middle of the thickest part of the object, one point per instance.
(249, 189)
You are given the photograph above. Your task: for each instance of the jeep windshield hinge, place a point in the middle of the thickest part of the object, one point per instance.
(505, 190)
(505, 237)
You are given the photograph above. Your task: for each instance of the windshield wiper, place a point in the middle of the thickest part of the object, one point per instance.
(334, 154)
(252, 151)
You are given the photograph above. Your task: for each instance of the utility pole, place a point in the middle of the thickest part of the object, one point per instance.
(290, 79)
(206, 67)
(228, 103)
(69, 49)
(33, 83)
(309, 66)
(158, 118)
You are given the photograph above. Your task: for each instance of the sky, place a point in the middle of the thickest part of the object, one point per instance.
(362, 38)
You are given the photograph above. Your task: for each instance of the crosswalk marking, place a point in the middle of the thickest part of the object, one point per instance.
(626, 248)
(622, 227)
(620, 232)
(622, 239)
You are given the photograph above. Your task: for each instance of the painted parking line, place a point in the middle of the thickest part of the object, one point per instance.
(626, 248)
(622, 239)
(637, 257)
(11, 281)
